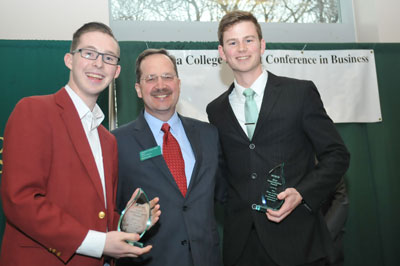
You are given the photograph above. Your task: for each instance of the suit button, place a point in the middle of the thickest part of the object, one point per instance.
(184, 208)
(252, 146)
(253, 176)
(58, 254)
(102, 215)
(184, 242)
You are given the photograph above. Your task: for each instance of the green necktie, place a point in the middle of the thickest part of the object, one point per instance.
(250, 112)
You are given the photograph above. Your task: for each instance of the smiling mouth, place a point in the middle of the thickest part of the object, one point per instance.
(161, 96)
(161, 93)
(95, 76)
(243, 57)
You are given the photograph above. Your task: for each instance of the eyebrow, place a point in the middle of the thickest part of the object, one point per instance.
(245, 37)
(154, 74)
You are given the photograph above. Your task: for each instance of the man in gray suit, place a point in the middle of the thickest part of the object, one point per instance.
(186, 233)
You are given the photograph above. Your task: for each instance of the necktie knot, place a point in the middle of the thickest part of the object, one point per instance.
(249, 93)
(165, 127)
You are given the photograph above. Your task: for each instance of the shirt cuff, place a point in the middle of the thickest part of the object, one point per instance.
(93, 244)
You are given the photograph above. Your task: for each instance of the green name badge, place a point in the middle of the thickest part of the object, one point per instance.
(150, 153)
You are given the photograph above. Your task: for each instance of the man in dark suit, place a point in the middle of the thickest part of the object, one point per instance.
(186, 233)
(335, 210)
(60, 167)
(290, 127)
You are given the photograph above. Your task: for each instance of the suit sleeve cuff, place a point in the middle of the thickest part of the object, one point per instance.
(303, 203)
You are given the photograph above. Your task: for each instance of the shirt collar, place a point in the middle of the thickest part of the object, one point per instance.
(155, 123)
(96, 116)
(258, 85)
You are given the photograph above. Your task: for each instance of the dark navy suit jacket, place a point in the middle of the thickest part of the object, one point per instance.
(186, 233)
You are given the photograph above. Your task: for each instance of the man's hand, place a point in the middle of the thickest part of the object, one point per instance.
(292, 199)
(155, 208)
(155, 211)
(117, 247)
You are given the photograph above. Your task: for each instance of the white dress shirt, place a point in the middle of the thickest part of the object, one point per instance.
(93, 244)
(237, 99)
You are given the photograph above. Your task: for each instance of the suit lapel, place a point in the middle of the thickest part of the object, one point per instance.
(271, 94)
(193, 136)
(145, 139)
(108, 160)
(78, 138)
(226, 111)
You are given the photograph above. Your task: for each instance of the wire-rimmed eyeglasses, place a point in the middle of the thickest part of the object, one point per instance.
(166, 77)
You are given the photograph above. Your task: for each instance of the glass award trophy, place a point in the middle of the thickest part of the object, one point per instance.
(136, 217)
(275, 184)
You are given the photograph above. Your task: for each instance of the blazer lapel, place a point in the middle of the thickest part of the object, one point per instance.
(226, 111)
(78, 138)
(271, 94)
(193, 136)
(108, 160)
(145, 139)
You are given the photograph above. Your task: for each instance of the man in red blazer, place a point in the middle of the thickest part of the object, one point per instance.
(60, 167)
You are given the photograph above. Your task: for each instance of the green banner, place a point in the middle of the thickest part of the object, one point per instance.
(372, 230)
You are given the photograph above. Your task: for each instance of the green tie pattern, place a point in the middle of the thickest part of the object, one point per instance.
(250, 112)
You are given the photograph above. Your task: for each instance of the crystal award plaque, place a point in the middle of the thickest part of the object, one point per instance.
(275, 184)
(136, 217)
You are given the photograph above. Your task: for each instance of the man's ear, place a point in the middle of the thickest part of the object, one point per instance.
(138, 91)
(117, 72)
(263, 45)
(68, 60)
(221, 52)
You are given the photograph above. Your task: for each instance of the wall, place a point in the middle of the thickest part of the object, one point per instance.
(48, 19)
(377, 20)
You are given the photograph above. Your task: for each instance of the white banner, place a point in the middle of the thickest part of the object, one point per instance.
(346, 80)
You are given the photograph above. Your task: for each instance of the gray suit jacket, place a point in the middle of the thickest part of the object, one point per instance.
(186, 233)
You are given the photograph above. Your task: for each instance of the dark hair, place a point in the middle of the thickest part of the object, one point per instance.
(234, 17)
(149, 52)
(90, 27)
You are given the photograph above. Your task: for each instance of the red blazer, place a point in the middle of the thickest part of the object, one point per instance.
(51, 189)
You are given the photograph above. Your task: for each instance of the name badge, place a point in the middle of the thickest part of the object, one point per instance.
(150, 153)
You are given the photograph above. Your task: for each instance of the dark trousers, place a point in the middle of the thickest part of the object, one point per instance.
(254, 254)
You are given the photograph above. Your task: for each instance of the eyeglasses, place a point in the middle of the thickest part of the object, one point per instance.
(166, 77)
(93, 55)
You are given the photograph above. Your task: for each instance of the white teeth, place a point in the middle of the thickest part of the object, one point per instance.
(243, 57)
(161, 96)
(92, 75)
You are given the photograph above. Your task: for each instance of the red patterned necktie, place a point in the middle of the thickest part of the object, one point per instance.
(173, 157)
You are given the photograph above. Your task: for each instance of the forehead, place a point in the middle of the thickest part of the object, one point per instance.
(157, 64)
(100, 41)
(240, 29)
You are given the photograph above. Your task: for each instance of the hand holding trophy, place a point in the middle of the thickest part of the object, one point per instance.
(139, 215)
